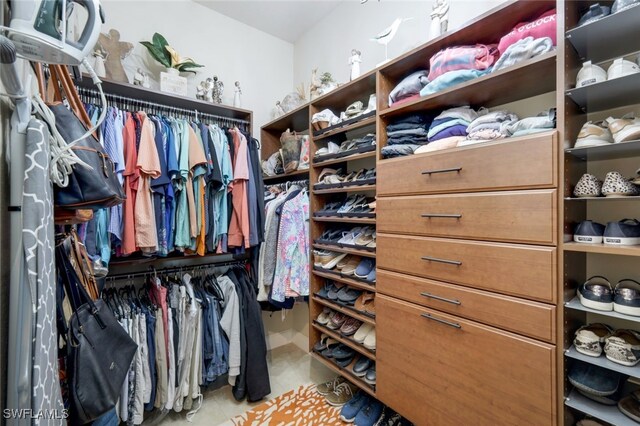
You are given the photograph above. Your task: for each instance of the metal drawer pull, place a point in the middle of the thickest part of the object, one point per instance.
(431, 172)
(448, 262)
(444, 215)
(450, 324)
(442, 299)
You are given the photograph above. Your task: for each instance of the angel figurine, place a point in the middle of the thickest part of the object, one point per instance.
(354, 61)
(218, 89)
(140, 78)
(237, 101)
(208, 89)
(279, 110)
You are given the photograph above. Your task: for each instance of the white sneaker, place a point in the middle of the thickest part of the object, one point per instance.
(593, 134)
(624, 129)
(590, 74)
(622, 68)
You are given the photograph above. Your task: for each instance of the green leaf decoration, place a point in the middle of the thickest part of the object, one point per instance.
(159, 41)
(157, 54)
(185, 67)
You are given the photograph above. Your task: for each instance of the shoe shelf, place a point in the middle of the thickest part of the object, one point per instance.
(523, 80)
(602, 249)
(609, 94)
(576, 305)
(627, 198)
(607, 413)
(347, 373)
(295, 120)
(358, 347)
(357, 252)
(603, 362)
(352, 188)
(347, 311)
(301, 174)
(607, 38)
(607, 152)
(362, 220)
(340, 279)
(369, 121)
(352, 157)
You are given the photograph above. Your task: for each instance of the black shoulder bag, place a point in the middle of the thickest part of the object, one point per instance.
(99, 350)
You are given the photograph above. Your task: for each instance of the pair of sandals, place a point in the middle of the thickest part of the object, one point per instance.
(357, 206)
(360, 238)
(334, 178)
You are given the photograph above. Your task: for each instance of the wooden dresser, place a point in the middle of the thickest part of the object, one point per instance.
(467, 283)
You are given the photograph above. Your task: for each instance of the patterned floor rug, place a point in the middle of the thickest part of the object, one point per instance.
(302, 406)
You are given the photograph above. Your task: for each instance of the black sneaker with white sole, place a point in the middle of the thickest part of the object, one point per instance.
(589, 232)
(623, 233)
(596, 293)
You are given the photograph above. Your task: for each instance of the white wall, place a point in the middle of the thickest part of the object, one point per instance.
(328, 44)
(228, 48)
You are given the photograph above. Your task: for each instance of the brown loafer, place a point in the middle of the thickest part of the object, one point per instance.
(350, 326)
(362, 301)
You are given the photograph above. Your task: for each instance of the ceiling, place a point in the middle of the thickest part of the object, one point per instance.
(285, 19)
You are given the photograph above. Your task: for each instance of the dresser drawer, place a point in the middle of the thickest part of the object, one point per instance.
(517, 270)
(439, 369)
(521, 316)
(519, 216)
(528, 162)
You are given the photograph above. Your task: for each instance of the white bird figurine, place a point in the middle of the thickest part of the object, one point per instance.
(387, 35)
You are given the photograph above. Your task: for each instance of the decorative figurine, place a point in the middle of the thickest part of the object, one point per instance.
(354, 61)
(237, 101)
(321, 85)
(200, 91)
(279, 111)
(140, 78)
(218, 89)
(98, 63)
(439, 19)
(208, 89)
(114, 52)
(387, 35)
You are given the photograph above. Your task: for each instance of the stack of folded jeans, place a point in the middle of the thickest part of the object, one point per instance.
(546, 120)
(453, 122)
(412, 129)
(490, 126)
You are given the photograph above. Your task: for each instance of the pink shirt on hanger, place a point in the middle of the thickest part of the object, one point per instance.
(149, 166)
(239, 227)
(131, 178)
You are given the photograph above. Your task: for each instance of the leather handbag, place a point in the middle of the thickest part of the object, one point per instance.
(88, 189)
(99, 350)
(94, 188)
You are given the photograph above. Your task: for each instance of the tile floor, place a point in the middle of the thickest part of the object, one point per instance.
(289, 367)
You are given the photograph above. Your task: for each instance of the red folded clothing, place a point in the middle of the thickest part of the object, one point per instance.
(542, 26)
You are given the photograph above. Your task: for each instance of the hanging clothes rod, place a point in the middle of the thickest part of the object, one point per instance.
(286, 185)
(94, 94)
(172, 270)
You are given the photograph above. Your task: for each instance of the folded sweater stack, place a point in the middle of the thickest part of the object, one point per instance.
(453, 122)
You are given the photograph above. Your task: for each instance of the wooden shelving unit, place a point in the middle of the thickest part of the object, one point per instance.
(352, 157)
(362, 123)
(296, 120)
(614, 36)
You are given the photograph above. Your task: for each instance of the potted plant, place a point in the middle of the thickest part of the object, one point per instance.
(167, 56)
(160, 50)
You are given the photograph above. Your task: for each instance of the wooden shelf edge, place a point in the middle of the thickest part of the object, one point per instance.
(344, 310)
(354, 188)
(356, 252)
(344, 372)
(602, 249)
(353, 157)
(358, 124)
(367, 220)
(347, 281)
(297, 173)
(348, 342)
(323, 99)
